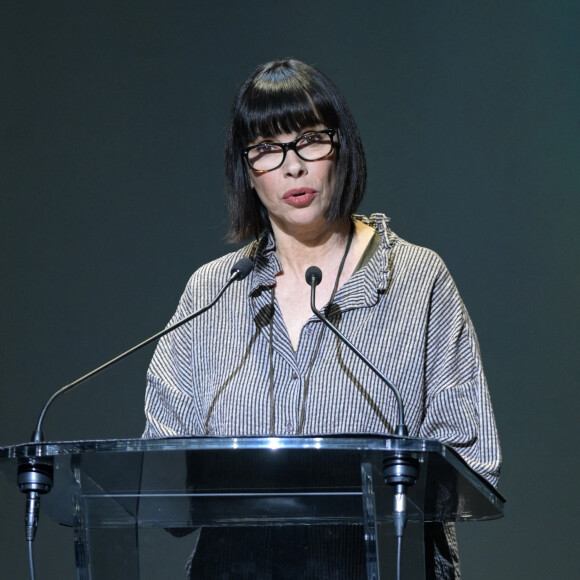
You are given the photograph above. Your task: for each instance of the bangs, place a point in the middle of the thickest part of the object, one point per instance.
(272, 108)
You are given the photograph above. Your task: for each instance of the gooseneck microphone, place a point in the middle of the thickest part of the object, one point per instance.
(401, 469)
(239, 271)
(35, 475)
(313, 278)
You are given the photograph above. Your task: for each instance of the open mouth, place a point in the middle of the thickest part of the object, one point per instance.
(299, 197)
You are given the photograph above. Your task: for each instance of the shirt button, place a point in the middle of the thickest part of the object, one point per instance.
(289, 428)
(294, 375)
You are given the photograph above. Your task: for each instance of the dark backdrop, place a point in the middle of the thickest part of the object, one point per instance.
(112, 118)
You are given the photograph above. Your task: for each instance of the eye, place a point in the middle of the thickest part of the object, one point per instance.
(314, 137)
(264, 148)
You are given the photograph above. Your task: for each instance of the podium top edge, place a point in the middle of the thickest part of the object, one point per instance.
(357, 443)
(344, 442)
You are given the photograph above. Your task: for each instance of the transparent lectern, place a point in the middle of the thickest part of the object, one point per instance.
(137, 507)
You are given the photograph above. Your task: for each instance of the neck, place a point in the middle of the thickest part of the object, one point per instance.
(319, 248)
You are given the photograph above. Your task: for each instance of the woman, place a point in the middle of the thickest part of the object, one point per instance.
(259, 363)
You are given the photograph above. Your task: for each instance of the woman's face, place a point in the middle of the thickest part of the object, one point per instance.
(298, 193)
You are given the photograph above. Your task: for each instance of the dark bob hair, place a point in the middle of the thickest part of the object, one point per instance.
(287, 96)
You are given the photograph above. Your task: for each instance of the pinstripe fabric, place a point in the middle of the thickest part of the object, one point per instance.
(402, 309)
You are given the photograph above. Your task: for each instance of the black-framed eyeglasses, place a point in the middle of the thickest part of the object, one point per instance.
(312, 146)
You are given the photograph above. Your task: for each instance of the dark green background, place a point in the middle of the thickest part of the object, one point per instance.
(112, 118)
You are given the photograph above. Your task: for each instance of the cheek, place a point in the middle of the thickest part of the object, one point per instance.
(258, 182)
(264, 184)
(259, 190)
(330, 175)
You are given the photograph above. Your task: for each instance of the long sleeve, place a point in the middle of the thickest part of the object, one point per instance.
(169, 396)
(458, 409)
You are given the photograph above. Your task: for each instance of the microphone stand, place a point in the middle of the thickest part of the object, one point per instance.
(400, 470)
(35, 475)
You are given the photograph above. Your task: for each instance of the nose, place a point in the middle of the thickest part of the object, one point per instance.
(294, 166)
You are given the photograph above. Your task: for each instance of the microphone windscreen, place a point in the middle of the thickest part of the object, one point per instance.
(243, 267)
(313, 275)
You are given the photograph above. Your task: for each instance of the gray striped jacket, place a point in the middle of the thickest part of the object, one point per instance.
(402, 309)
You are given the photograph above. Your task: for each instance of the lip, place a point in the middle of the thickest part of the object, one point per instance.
(299, 191)
(299, 197)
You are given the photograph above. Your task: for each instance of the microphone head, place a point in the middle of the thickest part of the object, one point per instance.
(313, 276)
(242, 268)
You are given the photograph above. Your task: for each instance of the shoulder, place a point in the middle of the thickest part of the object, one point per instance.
(220, 269)
(209, 278)
(424, 273)
(409, 256)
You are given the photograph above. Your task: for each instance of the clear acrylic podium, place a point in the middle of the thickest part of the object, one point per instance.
(137, 506)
